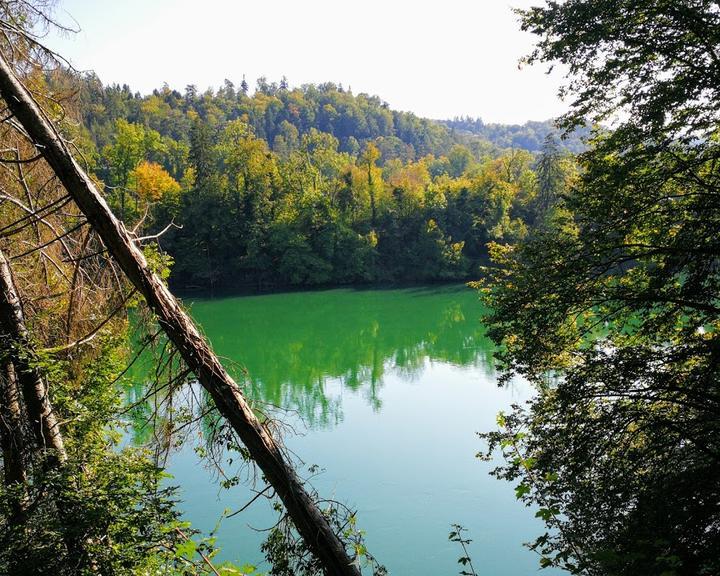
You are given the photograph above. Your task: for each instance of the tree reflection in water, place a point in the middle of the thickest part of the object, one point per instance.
(302, 351)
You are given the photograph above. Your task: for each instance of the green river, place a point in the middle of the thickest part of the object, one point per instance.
(385, 390)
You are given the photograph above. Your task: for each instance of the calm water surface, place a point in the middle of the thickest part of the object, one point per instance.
(387, 389)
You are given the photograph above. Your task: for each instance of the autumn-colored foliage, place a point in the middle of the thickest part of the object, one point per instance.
(152, 181)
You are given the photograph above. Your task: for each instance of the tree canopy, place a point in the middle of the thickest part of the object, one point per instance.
(264, 192)
(613, 309)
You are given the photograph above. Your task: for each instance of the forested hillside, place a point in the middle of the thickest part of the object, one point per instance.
(278, 114)
(309, 186)
(529, 136)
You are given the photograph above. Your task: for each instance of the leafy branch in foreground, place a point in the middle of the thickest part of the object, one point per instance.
(456, 535)
(612, 311)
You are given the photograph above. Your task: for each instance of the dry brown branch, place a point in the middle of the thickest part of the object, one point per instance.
(18, 347)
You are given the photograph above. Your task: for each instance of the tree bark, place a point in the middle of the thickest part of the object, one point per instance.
(262, 446)
(15, 343)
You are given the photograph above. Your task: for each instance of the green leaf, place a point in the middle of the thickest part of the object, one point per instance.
(186, 549)
(521, 490)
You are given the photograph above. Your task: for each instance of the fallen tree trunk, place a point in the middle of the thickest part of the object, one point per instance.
(262, 446)
(16, 345)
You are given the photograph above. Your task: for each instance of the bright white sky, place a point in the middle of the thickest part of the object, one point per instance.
(439, 58)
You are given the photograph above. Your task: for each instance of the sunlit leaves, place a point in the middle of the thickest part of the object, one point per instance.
(152, 182)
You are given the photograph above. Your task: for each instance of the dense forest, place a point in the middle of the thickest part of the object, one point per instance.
(310, 186)
(597, 261)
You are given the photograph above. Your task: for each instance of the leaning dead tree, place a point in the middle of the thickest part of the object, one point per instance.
(16, 347)
(11, 432)
(264, 449)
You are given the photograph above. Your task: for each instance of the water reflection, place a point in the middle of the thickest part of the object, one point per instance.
(302, 351)
(364, 370)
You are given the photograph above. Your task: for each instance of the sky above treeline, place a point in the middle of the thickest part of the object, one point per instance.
(439, 59)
